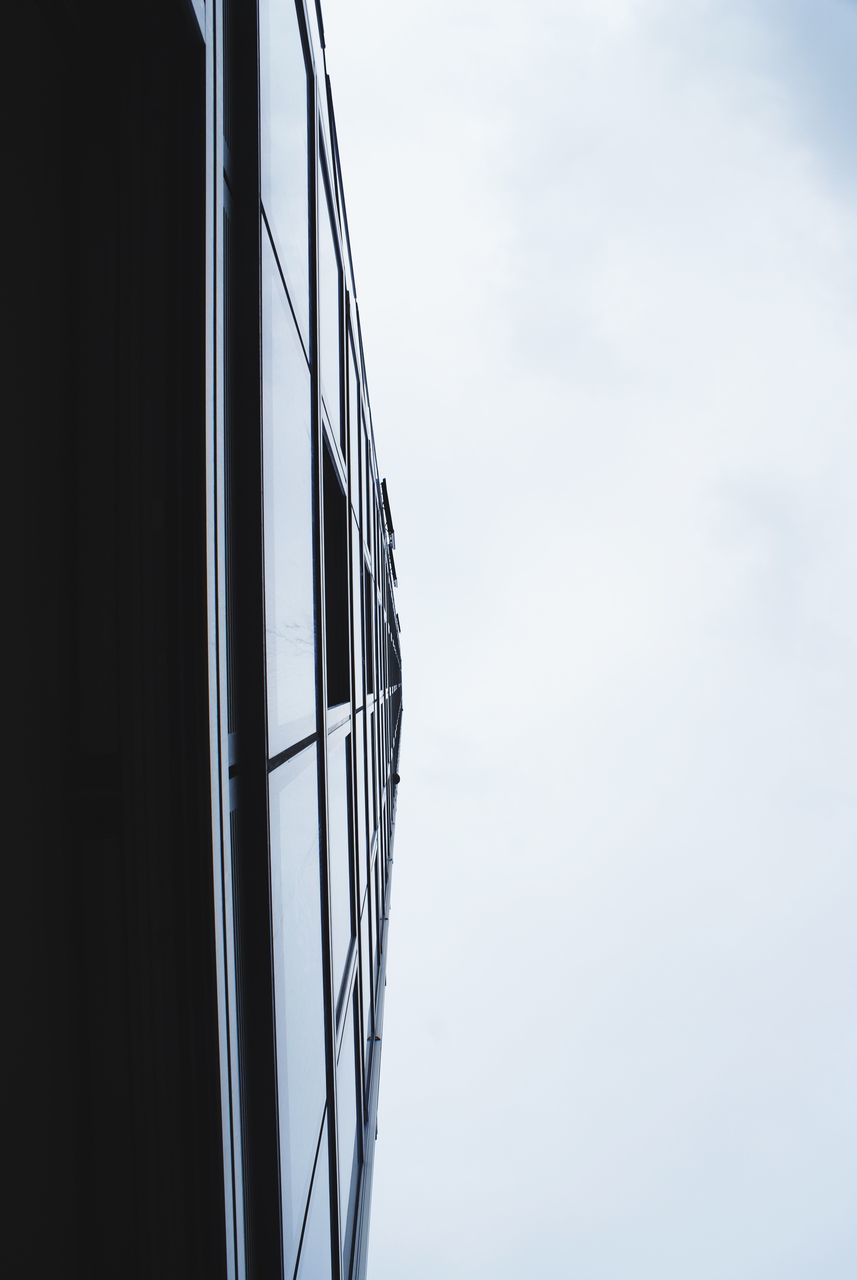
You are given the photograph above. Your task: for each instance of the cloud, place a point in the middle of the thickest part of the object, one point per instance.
(605, 256)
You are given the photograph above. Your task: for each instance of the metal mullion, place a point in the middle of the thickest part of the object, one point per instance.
(355, 619)
(259, 1077)
(218, 678)
(305, 24)
(350, 364)
(321, 700)
(365, 747)
(344, 718)
(290, 752)
(361, 746)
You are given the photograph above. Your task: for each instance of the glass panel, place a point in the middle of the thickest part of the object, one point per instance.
(285, 146)
(379, 900)
(365, 962)
(360, 802)
(363, 511)
(373, 787)
(337, 649)
(287, 443)
(356, 604)
(329, 304)
(371, 908)
(370, 521)
(315, 1263)
(339, 850)
(298, 982)
(354, 431)
(346, 1106)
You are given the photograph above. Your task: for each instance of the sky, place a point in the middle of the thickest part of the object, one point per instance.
(606, 259)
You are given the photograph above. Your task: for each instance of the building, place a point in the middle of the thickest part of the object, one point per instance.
(207, 706)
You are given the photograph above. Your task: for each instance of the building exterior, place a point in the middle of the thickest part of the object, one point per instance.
(207, 649)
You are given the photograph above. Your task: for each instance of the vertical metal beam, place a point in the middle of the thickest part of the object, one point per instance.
(224, 914)
(317, 194)
(252, 848)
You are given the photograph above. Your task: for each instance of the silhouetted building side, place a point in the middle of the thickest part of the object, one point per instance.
(206, 701)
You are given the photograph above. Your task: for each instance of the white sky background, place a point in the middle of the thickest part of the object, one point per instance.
(607, 260)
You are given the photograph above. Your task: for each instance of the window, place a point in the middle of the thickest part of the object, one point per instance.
(357, 612)
(347, 1107)
(285, 147)
(298, 982)
(366, 978)
(329, 309)
(287, 480)
(369, 613)
(315, 1263)
(354, 429)
(335, 586)
(339, 845)
(360, 801)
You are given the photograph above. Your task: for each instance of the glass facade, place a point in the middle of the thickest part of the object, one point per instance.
(318, 820)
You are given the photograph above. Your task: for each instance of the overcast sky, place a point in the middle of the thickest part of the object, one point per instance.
(606, 254)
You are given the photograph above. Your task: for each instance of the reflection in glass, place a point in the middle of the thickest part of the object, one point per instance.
(329, 302)
(346, 1109)
(290, 625)
(298, 982)
(285, 146)
(315, 1262)
(339, 850)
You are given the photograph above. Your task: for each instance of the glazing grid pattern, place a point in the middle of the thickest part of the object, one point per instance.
(333, 666)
